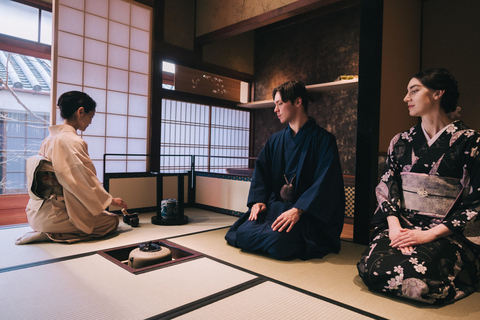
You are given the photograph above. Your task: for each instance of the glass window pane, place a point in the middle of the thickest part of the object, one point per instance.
(46, 27)
(19, 20)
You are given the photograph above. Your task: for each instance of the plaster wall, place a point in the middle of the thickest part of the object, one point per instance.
(216, 14)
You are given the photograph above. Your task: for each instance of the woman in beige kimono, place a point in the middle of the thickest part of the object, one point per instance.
(67, 201)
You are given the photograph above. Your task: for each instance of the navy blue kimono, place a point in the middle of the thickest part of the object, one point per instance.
(311, 159)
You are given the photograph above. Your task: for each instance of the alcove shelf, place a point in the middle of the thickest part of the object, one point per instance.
(319, 87)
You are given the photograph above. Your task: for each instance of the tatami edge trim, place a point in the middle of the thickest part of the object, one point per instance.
(44, 262)
(184, 309)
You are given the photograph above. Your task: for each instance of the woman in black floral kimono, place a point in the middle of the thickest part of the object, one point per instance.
(426, 243)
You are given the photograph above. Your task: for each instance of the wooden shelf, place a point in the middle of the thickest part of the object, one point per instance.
(335, 85)
(320, 87)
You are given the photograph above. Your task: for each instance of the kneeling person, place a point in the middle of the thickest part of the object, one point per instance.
(296, 198)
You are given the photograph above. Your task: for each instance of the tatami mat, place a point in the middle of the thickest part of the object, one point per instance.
(270, 300)
(94, 288)
(335, 276)
(14, 255)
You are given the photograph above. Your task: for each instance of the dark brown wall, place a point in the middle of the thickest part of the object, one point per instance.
(313, 51)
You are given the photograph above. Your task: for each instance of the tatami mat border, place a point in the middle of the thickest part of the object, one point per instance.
(207, 300)
(260, 279)
(49, 261)
(43, 262)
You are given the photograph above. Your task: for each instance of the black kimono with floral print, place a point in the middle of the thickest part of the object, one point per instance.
(446, 269)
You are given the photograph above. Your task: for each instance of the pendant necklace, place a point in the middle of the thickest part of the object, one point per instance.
(288, 191)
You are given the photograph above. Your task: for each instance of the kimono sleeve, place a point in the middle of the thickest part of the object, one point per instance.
(75, 172)
(388, 189)
(261, 185)
(465, 219)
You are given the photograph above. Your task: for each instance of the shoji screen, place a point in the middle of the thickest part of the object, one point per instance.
(103, 48)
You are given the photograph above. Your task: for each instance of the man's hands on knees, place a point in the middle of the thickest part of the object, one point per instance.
(287, 220)
(256, 209)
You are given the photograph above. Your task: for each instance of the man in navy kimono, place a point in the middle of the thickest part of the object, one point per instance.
(296, 200)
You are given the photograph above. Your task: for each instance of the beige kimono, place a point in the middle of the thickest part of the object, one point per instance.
(67, 201)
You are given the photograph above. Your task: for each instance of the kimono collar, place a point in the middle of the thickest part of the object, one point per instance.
(61, 128)
(431, 140)
(311, 122)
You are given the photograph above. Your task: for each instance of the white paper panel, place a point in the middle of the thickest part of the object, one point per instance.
(58, 116)
(118, 34)
(140, 40)
(117, 80)
(116, 145)
(136, 166)
(117, 102)
(137, 127)
(138, 83)
(96, 147)
(95, 75)
(69, 71)
(116, 166)
(137, 146)
(96, 27)
(116, 126)
(99, 96)
(98, 7)
(95, 51)
(117, 57)
(140, 18)
(74, 49)
(64, 87)
(70, 20)
(138, 105)
(99, 168)
(138, 61)
(73, 3)
(97, 127)
(120, 11)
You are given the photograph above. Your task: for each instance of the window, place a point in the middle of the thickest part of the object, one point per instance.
(25, 22)
(216, 136)
(23, 122)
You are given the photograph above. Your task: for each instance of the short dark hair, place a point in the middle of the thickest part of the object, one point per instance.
(441, 79)
(291, 90)
(69, 102)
